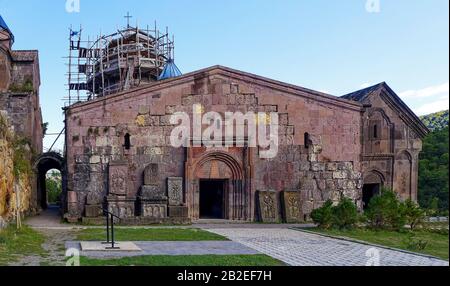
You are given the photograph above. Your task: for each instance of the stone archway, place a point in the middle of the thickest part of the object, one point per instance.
(373, 183)
(42, 165)
(225, 169)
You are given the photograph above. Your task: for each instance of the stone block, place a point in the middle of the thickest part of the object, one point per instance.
(118, 179)
(153, 193)
(268, 207)
(292, 207)
(122, 207)
(178, 212)
(93, 211)
(72, 197)
(305, 166)
(151, 174)
(175, 191)
(317, 166)
(94, 198)
(331, 166)
(340, 175)
(150, 210)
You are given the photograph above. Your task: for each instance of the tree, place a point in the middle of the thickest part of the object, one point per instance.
(386, 211)
(414, 214)
(53, 187)
(433, 171)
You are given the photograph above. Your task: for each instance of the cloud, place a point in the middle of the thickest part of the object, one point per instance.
(436, 106)
(426, 92)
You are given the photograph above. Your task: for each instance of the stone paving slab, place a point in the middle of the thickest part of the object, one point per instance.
(100, 246)
(303, 249)
(172, 249)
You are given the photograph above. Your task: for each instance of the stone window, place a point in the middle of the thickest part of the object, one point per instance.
(127, 143)
(375, 131)
(307, 140)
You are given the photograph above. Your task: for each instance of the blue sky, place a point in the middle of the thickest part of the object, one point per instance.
(328, 45)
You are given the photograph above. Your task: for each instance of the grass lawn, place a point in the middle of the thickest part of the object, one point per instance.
(15, 243)
(194, 260)
(437, 243)
(153, 234)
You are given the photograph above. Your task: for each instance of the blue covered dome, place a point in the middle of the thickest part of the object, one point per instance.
(3, 26)
(170, 71)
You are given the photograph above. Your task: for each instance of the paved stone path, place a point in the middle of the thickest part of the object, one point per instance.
(173, 248)
(303, 249)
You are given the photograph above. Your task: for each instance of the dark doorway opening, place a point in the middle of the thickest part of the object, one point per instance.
(212, 199)
(50, 181)
(370, 191)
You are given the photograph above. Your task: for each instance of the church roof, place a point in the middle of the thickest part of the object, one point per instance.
(232, 74)
(170, 71)
(400, 106)
(5, 27)
(362, 94)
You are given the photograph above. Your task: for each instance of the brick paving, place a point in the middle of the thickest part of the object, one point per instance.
(303, 249)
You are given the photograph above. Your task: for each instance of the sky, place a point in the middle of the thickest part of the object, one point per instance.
(331, 46)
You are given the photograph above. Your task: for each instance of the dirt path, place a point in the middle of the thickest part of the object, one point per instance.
(56, 234)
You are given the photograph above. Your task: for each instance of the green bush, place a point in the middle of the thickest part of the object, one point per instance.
(414, 214)
(323, 216)
(386, 211)
(342, 216)
(345, 214)
(415, 244)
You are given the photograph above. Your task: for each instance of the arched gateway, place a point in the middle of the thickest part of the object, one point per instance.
(42, 165)
(218, 184)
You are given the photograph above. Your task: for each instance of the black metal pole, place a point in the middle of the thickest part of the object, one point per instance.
(107, 228)
(112, 231)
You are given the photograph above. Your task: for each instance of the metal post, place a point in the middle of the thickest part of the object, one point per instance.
(112, 231)
(107, 229)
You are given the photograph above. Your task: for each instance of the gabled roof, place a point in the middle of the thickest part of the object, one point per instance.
(232, 74)
(5, 27)
(398, 104)
(362, 94)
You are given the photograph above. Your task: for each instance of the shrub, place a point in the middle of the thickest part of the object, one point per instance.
(345, 214)
(415, 244)
(385, 210)
(414, 214)
(324, 216)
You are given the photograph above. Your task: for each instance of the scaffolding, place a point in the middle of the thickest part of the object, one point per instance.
(117, 62)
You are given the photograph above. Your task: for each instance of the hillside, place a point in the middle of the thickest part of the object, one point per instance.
(433, 171)
(436, 121)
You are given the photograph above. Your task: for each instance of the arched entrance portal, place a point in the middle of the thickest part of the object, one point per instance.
(217, 184)
(43, 164)
(373, 182)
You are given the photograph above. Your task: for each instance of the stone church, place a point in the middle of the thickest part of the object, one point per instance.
(119, 155)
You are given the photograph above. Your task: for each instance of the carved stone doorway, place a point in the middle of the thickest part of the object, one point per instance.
(370, 191)
(229, 167)
(213, 199)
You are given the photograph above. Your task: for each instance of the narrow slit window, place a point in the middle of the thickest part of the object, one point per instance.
(375, 131)
(307, 140)
(127, 143)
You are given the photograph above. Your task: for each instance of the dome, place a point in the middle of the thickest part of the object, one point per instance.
(170, 70)
(4, 27)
